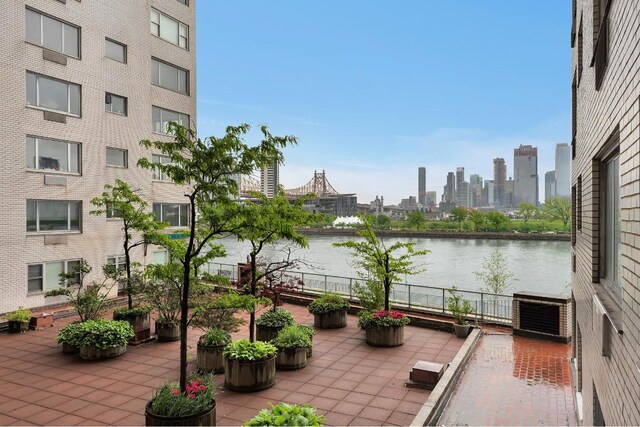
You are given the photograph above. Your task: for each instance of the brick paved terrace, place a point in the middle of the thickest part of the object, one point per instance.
(348, 381)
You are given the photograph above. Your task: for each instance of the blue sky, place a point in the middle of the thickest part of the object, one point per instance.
(374, 89)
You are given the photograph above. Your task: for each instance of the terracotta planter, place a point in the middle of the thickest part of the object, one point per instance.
(291, 359)
(167, 332)
(205, 418)
(141, 325)
(210, 359)
(462, 331)
(385, 336)
(88, 352)
(331, 320)
(70, 349)
(16, 327)
(267, 333)
(246, 376)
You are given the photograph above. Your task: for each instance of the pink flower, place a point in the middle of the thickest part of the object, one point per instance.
(202, 388)
(191, 395)
(175, 391)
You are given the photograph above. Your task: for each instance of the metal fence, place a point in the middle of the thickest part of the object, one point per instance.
(487, 307)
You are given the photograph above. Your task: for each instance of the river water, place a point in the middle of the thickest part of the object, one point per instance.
(538, 266)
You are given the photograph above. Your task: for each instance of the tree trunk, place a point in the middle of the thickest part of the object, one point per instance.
(184, 313)
(252, 315)
(387, 282)
(127, 264)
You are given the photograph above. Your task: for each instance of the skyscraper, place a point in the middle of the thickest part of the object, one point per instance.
(499, 181)
(422, 186)
(462, 195)
(270, 180)
(563, 170)
(549, 185)
(489, 193)
(475, 191)
(450, 189)
(525, 174)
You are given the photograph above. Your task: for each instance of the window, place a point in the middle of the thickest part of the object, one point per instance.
(51, 155)
(115, 50)
(610, 226)
(573, 215)
(174, 214)
(578, 203)
(52, 94)
(53, 215)
(52, 34)
(169, 29)
(162, 117)
(46, 276)
(115, 104)
(112, 212)
(160, 257)
(117, 157)
(158, 174)
(574, 115)
(184, 2)
(169, 76)
(600, 40)
(117, 261)
(580, 49)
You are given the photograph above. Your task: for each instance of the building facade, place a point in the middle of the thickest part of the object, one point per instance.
(549, 185)
(563, 170)
(422, 186)
(270, 180)
(605, 190)
(525, 174)
(499, 181)
(83, 84)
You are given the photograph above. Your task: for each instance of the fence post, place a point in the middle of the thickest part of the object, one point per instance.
(350, 288)
(482, 307)
(443, 304)
(302, 280)
(409, 294)
(325, 283)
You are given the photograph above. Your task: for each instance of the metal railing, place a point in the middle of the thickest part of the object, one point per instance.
(487, 307)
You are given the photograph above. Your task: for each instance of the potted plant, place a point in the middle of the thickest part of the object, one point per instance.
(103, 339)
(249, 366)
(460, 308)
(286, 414)
(210, 347)
(69, 336)
(383, 328)
(195, 407)
(162, 291)
(329, 311)
(272, 322)
(292, 344)
(19, 320)
(310, 333)
(139, 317)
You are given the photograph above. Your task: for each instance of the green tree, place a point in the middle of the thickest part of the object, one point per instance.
(527, 211)
(378, 260)
(496, 219)
(383, 221)
(416, 219)
(206, 170)
(459, 215)
(120, 201)
(477, 218)
(495, 275)
(559, 209)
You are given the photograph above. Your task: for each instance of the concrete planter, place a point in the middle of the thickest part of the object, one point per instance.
(385, 336)
(167, 332)
(204, 418)
(291, 359)
(462, 331)
(267, 333)
(70, 349)
(247, 376)
(16, 327)
(331, 320)
(88, 352)
(210, 359)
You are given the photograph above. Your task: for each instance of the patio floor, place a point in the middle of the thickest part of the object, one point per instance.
(348, 381)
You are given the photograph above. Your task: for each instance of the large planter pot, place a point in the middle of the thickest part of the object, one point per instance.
(244, 376)
(167, 332)
(69, 348)
(267, 333)
(385, 336)
(210, 359)
(204, 418)
(16, 327)
(462, 331)
(331, 320)
(141, 325)
(291, 359)
(88, 352)
(310, 349)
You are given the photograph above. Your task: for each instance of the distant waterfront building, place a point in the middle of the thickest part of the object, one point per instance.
(499, 181)
(431, 200)
(489, 193)
(475, 191)
(270, 180)
(422, 186)
(410, 204)
(509, 198)
(450, 189)
(563, 170)
(549, 185)
(525, 174)
(461, 196)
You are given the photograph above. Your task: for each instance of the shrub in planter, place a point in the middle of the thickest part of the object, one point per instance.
(103, 339)
(19, 320)
(210, 347)
(384, 328)
(286, 414)
(249, 366)
(329, 311)
(140, 319)
(271, 322)
(310, 332)
(460, 309)
(162, 291)
(195, 406)
(292, 343)
(69, 336)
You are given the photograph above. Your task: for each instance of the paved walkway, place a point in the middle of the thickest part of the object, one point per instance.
(350, 382)
(514, 381)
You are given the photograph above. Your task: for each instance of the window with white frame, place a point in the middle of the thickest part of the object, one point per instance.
(117, 157)
(112, 212)
(610, 229)
(53, 215)
(169, 29)
(175, 214)
(53, 94)
(161, 118)
(52, 155)
(53, 34)
(115, 50)
(169, 76)
(157, 173)
(160, 257)
(118, 261)
(45, 276)
(115, 104)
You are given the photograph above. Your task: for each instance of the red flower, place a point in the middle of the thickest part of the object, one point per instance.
(191, 395)
(175, 391)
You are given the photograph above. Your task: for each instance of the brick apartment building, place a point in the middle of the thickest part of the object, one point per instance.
(606, 210)
(82, 83)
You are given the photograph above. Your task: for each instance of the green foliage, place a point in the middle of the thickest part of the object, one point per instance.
(497, 219)
(458, 215)
(20, 315)
(103, 334)
(292, 337)
(382, 221)
(477, 218)
(329, 301)
(527, 211)
(125, 313)
(558, 208)
(169, 401)
(249, 351)
(286, 414)
(219, 310)
(495, 274)
(214, 338)
(70, 334)
(370, 294)
(308, 330)
(416, 220)
(460, 308)
(380, 318)
(162, 290)
(278, 318)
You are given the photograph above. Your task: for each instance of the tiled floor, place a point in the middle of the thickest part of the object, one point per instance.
(348, 381)
(514, 381)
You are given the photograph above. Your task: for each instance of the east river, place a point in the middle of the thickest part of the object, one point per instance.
(538, 266)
